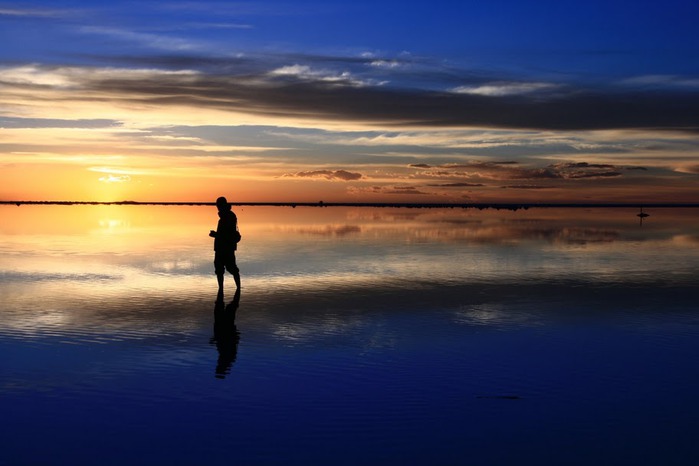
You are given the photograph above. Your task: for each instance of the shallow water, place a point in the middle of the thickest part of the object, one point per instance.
(362, 336)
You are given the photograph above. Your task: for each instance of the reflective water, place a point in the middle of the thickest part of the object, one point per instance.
(361, 336)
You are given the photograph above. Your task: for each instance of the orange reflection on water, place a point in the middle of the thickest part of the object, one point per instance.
(120, 258)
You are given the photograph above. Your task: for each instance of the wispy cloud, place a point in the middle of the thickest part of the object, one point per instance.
(456, 185)
(579, 170)
(689, 168)
(32, 12)
(501, 89)
(307, 74)
(511, 170)
(527, 186)
(219, 26)
(243, 8)
(662, 81)
(115, 171)
(115, 178)
(14, 122)
(386, 64)
(155, 41)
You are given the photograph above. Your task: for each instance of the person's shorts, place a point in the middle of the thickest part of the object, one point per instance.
(225, 261)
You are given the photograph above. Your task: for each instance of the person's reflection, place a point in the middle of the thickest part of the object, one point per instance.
(226, 334)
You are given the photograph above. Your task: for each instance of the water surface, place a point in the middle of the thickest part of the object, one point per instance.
(361, 336)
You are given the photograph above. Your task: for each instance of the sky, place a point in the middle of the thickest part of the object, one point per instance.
(362, 101)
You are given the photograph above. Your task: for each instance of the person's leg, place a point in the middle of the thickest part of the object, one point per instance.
(219, 269)
(232, 267)
(236, 277)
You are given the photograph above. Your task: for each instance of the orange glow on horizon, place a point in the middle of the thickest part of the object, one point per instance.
(71, 166)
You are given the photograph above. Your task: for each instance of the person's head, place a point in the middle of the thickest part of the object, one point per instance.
(222, 204)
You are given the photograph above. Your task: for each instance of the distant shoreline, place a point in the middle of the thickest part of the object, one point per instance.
(409, 205)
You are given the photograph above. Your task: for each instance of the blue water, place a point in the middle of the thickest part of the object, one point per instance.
(361, 336)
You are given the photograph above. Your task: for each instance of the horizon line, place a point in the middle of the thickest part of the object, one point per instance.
(433, 205)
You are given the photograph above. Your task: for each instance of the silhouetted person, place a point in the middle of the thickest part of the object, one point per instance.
(226, 335)
(225, 243)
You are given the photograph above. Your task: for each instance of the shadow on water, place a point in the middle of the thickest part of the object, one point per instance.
(226, 335)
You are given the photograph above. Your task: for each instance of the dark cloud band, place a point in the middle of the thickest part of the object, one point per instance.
(337, 100)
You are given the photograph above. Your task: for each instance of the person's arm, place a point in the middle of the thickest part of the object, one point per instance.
(214, 233)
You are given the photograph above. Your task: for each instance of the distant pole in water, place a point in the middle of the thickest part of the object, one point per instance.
(642, 215)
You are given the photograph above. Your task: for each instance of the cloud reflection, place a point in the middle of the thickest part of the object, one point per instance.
(155, 270)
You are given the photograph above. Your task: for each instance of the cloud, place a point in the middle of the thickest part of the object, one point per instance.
(31, 12)
(662, 81)
(337, 175)
(155, 41)
(390, 64)
(403, 190)
(113, 170)
(115, 178)
(456, 185)
(238, 9)
(602, 166)
(302, 92)
(690, 169)
(511, 170)
(490, 170)
(579, 170)
(16, 123)
(527, 186)
(500, 89)
(308, 74)
(219, 26)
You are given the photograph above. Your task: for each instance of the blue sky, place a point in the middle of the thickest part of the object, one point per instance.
(542, 37)
(427, 100)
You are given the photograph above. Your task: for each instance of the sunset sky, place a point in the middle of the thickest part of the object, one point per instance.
(362, 101)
